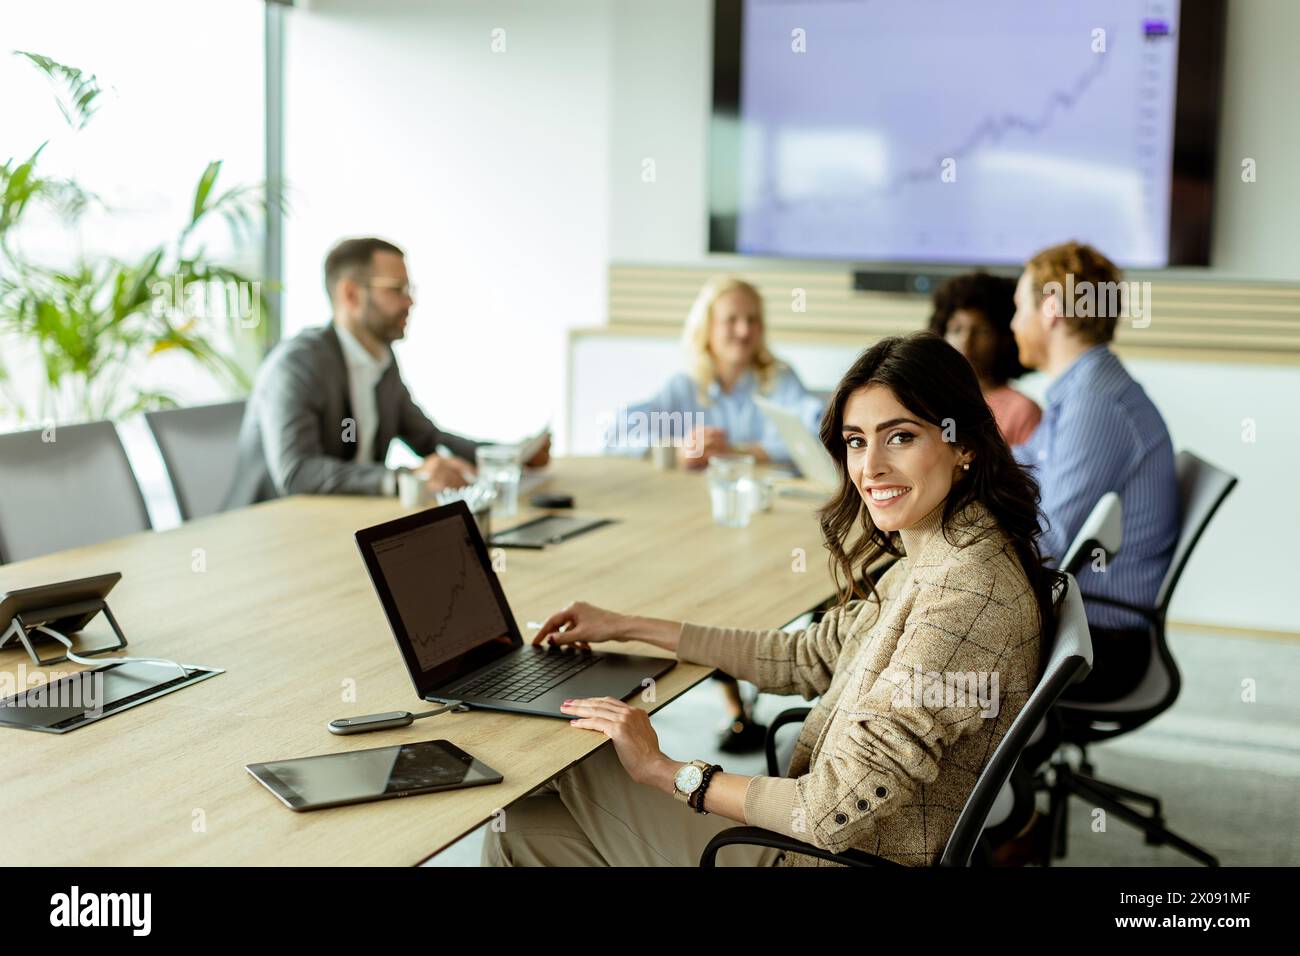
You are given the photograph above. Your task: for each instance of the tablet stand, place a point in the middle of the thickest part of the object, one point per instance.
(73, 617)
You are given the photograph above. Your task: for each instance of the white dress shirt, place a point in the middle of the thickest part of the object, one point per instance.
(364, 373)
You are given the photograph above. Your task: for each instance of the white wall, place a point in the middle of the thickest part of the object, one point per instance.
(662, 88)
(489, 169)
(1256, 227)
(1244, 420)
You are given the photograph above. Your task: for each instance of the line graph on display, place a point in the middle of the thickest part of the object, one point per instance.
(426, 639)
(440, 587)
(990, 130)
(993, 128)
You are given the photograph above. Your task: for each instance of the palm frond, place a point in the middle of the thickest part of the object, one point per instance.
(76, 92)
(95, 325)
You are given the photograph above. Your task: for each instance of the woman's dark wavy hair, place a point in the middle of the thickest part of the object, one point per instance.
(992, 297)
(933, 381)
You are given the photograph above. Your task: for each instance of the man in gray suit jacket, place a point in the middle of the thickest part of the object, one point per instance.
(327, 403)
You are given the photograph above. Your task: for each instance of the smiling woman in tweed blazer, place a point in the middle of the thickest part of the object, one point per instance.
(918, 675)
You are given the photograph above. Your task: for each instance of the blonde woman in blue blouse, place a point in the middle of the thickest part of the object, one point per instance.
(727, 364)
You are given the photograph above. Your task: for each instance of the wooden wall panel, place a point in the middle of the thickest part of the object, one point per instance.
(1211, 319)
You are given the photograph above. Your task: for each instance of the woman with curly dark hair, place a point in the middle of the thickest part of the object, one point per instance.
(973, 313)
(918, 675)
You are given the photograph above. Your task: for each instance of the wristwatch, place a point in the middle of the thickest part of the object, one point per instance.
(689, 779)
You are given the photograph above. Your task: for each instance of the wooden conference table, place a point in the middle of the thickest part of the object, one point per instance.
(277, 595)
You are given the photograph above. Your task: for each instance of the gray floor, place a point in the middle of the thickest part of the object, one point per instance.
(1228, 771)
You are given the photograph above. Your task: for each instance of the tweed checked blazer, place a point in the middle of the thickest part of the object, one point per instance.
(916, 692)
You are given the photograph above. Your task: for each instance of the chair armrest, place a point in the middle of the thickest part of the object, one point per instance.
(792, 716)
(757, 836)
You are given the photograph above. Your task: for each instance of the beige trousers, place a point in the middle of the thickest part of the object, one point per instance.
(594, 814)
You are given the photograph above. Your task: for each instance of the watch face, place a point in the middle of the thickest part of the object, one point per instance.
(688, 778)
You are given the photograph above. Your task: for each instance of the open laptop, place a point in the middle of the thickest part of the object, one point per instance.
(809, 454)
(457, 634)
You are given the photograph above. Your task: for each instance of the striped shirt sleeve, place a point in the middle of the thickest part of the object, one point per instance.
(1091, 452)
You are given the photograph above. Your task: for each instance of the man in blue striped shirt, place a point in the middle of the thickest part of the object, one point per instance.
(1099, 433)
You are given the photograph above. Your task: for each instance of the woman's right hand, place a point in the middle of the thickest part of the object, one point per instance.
(700, 445)
(582, 624)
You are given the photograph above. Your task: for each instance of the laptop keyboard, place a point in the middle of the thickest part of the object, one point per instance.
(525, 678)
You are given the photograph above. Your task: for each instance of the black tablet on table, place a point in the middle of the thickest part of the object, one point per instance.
(548, 529)
(359, 776)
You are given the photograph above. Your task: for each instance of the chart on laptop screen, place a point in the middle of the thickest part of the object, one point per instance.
(441, 590)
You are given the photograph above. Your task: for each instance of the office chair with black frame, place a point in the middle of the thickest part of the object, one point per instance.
(1202, 488)
(1069, 662)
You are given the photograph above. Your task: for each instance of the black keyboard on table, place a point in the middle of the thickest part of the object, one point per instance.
(525, 678)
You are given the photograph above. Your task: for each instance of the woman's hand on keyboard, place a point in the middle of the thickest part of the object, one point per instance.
(581, 624)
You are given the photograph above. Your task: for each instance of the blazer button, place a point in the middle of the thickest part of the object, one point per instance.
(863, 805)
(841, 819)
(881, 791)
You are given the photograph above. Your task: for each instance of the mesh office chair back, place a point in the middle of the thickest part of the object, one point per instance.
(64, 488)
(1201, 489)
(1069, 662)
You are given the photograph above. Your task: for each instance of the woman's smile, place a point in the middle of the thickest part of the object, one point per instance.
(884, 496)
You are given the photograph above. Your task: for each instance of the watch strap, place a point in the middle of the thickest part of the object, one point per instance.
(696, 799)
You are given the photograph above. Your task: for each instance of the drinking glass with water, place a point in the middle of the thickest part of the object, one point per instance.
(731, 479)
(499, 469)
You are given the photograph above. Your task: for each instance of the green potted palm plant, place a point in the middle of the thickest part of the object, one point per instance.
(95, 323)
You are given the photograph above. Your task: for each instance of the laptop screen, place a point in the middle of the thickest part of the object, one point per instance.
(432, 576)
